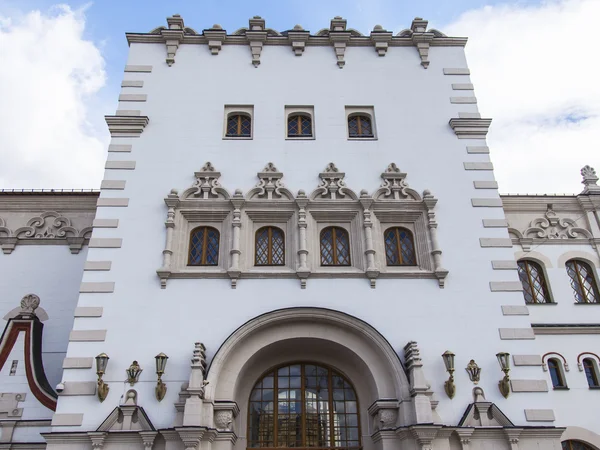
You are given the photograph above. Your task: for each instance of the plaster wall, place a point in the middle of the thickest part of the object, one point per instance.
(412, 108)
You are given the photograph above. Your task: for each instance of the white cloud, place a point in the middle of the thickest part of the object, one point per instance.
(48, 78)
(535, 70)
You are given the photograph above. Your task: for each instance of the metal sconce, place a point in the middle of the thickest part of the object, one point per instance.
(161, 364)
(474, 371)
(504, 384)
(449, 386)
(133, 373)
(101, 363)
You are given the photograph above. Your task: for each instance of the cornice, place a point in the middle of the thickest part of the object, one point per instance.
(470, 128)
(561, 328)
(85, 202)
(126, 126)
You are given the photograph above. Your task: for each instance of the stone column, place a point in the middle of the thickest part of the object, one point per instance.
(372, 271)
(436, 252)
(165, 271)
(234, 269)
(302, 271)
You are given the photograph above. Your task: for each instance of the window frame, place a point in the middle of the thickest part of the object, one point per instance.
(269, 245)
(558, 367)
(369, 112)
(541, 268)
(334, 247)
(590, 269)
(238, 110)
(568, 445)
(305, 111)
(396, 228)
(204, 246)
(593, 366)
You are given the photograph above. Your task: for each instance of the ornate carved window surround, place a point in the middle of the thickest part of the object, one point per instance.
(301, 218)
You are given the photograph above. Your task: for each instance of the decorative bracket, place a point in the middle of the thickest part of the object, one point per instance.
(470, 128)
(339, 37)
(126, 126)
(421, 39)
(256, 36)
(381, 39)
(173, 36)
(298, 38)
(216, 36)
(332, 183)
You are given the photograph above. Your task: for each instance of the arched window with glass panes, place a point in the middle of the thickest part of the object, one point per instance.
(299, 126)
(575, 445)
(399, 247)
(535, 287)
(360, 126)
(583, 281)
(335, 247)
(239, 125)
(304, 405)
(204, 247)
(556, 373)
(270, 247)
(591, 372)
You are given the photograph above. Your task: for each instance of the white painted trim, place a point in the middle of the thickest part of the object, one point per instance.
(138, 68)
(79, 388)
(120, 165)
(529, 385)
(78, 363)
(508, 334)
(495, 242)
(504, 265)
(67, 420)
(97, 265)
(457, 71)
(87, 336)
(133, 97)
(132, 83)
(527, 360)
(581, 434)
(495, 223)
(462, 86)
(112, 202)
(478, 166)
(89, 311)
(539, 415)
(485, 185)
(506, 286)
(478, 149)
(114, 148)
(97, 287)
(105, 243)
(463, 100)
(105, 223)
(113, 184)
(515, 310)
(588, 257)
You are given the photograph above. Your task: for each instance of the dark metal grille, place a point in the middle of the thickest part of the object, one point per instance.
(399, 247)
(582, 281)
(555, 373)
(204, 247)
(335, 247)
(270, 247)
(590, 373)
(239, 125)
(575, 445)
(299, 126)
(359, 126)
(535, 289)
(303, 406)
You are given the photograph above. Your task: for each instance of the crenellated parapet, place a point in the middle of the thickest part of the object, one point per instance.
(257, 36)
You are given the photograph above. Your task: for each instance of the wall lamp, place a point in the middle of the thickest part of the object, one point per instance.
(101, 363)
(161, 364)
(133, 373)
(474, 371)
(449, 386)
(504, 384)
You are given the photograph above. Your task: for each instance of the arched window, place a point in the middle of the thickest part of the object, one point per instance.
(335, 247)
(302, 406)
(591, 373)
(359, 126)
(582, 281)
(239, 125)
(299, 125)
(270, 247)
(556, 374)
(575, 445)
(399, 247)
(535, 289)
(204, 247)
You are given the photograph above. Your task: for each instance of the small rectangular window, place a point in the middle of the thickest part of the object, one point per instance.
(360, 121)
(238, 122)
(299, 122)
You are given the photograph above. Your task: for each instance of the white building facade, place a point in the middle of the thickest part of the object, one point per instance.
(313, 219)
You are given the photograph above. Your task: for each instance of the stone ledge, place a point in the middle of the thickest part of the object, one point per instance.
(539, 415)
(495, 242)
(105, 243)
(486, 203)
(112, 202)
(462, 86)
(97, 265)
(457, 71)
(478, 166)
(463, 100)
(132, 83)
(79, 388)
(509, 334)
(113, 184)
(138, 68)
(470, 128)
(506, 286)
(529, 385)
(120, 165)
(485, 185)
(87, 336)
(126, 126)
(527, 360)
(495, 223)
(78, 363)
(97, 287)
(515, 310)
(504, 265)
(133, 97)
(67, 420)
(88, 311)
(105, 223)
(478, 149)
(114, 148)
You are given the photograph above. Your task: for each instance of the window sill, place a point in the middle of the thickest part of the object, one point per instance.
(594, 388)
(587, 304)
(363, 139)
(300, 138)
(542, 304)
(234, 138)
(560, 388)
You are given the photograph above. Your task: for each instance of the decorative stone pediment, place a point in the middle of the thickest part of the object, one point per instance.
(394, 186)
(332, 186)
(270, 186)
(206, 185)
(482, 413)
(127, 417)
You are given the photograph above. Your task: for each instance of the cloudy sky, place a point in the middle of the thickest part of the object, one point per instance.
(534, 65)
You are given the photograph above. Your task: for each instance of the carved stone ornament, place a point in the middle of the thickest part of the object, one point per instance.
(206, 185)
(339, 37)
(223, 420)
(387, 418)
(590, 180)
(29, 304)
(270, 185)
(551, 227)
(332, 185)
(394, 186)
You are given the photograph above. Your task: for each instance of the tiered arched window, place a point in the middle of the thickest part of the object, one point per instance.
(335, 247)
(239, 125)
(575, 445)
(583, 282)
(303, 406)
(204, 247)
(360, 126)
(556, 373)
(591, 372)
(535, 288)
(299, 126)
(399, 247)
(270, 247)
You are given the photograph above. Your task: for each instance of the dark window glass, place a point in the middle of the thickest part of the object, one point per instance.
(590, 373)
(303, 406)
(204, 247)
(335, 247)
(399, 247)
(535, 289)
(582, 281)
(239, 125)
(555, 373)
(299, 126)
(359, 126)
(270, 247)
(575, 445)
